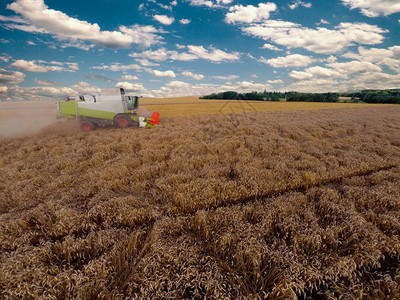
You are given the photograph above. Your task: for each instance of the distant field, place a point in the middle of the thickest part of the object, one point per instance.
(207, 107)
(172, 99)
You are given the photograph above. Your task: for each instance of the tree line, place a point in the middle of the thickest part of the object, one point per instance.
(275, 96)
(375, 96)
(367, 96)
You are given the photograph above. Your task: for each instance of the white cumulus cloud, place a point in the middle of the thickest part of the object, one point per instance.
(355, 67)
(321, 72)
(13, 19)
(352, 69)
(11, 77)
(229, 77)
(389, 57)
(157, 73)
(131, 87)
(300, 75)
(298, 3)
(117, 67)
(130, 77)
(3, 89)
(312, 85)
(83, 87)
(210, 3)
(159, 55)
(207, 3)
(322, 22)
(319, 40)
(163, 19)
(43, 67)
(250, 13)
(271, 47)
(146, 63)
(316, 72)
(193, 53)
(39, 18)
(377, 80)
(294, 60)
(184, 21)
(246, 86)
(143, 35)
(5, 58)
(214, 55)
(192, 75)
(276, 81)
(374, 8)
(177, 84)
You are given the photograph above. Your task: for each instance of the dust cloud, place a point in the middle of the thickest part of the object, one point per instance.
(71, 126)
(144, 112)
(18, 119)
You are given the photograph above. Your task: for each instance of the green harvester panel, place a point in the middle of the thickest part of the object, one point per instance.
(67, 108)
(99, 114)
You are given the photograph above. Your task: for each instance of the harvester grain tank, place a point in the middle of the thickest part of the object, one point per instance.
(110, 107)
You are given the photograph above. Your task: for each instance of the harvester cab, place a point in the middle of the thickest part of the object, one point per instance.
(110, 107)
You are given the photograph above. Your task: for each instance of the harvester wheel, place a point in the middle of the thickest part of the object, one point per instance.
(122, 121)
(87, 126)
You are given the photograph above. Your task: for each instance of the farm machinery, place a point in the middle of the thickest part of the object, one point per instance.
(110, 107)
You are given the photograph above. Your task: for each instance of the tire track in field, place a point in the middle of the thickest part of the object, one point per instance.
(282, 192)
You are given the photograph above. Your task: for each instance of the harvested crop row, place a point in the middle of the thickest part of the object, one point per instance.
(338, 241)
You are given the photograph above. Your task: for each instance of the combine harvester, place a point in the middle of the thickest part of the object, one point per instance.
(110, 107)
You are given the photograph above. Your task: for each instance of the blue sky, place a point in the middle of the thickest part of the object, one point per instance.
(51, 49)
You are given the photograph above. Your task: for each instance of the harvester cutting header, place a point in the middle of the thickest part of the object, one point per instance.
(110, 107)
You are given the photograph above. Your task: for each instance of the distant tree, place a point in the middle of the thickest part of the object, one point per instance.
(230, 95)
(253, 96)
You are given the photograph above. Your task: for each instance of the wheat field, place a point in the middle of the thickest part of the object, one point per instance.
(193, 106)
(296, 204)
